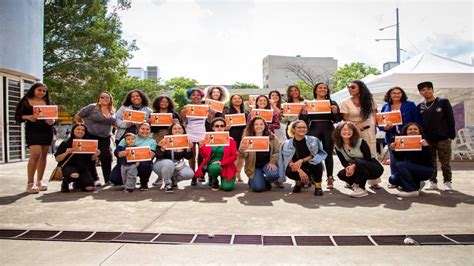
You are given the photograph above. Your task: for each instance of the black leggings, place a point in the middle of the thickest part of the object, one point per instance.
(365, 170)
(315, 172)
(105, 158)
(323, 131)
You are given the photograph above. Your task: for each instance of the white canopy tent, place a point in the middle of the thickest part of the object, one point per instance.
(451, 79)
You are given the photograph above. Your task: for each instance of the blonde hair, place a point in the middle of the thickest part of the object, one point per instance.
(292, 127)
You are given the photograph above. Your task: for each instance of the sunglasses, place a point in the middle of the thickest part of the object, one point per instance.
(351, 87)
(104, 97)
(219, 126)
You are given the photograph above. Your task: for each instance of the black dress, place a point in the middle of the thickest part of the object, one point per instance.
(37, 133)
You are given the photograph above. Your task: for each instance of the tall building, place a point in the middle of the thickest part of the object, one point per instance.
(21, 65)
(151, 73)
(279, 71)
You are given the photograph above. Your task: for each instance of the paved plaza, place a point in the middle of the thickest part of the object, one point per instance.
(198, 210)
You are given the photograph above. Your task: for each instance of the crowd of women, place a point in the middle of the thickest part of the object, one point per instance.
(300, 146)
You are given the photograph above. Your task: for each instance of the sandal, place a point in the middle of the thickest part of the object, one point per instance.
(32, 189)
(330, 184)
(41, 186)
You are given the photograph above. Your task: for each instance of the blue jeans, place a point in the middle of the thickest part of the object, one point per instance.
(392, 179)
(262, 175)
(409, 175)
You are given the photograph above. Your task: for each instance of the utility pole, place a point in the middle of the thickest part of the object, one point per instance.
(397, 37)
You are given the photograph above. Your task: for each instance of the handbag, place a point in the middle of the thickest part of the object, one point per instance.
(57, 174)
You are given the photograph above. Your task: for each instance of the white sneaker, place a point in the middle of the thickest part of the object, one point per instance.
(422, 184)
(347, 185)
(375, 186)
(359, 193)
(405, 194)
(97, 183)
(448, 186)
(431, 186)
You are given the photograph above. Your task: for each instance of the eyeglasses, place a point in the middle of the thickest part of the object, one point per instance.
(104, 97)
(219, 126)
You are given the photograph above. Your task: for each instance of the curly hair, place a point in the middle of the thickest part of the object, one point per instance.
(128, 98)
(336, 135)
(157, 101)
(250, 129)
(388, 99)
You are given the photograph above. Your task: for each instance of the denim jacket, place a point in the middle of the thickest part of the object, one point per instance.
(287, 150)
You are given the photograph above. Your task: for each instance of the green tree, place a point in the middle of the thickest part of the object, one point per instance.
(151, 88)
(243, 85)
(84, 52)
(178, 86)
(345, 74)
(306, 89)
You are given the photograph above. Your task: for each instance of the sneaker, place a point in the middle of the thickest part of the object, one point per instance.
(405, 194)
(318, 192)
(64, 187)
(278, 184)
(169, 188)
(359, 193)
(202, 179)
(375, 186)
(157, 182)
(422, 184)
(268, 186)
(349, 186)
(431, 186)
(330, 184)
(97, 183)
(296, 189)
(215, 185)
(193, 182)
(448, 186)
(128, 190)
(144, 187)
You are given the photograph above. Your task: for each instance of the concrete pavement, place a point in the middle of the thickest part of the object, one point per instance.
(200, 210)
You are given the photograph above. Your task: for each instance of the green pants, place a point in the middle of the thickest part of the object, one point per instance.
(214, 171)
(442, 150)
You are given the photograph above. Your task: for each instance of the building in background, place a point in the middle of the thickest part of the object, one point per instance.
(151, 73)
(21, 65)
(280, 71)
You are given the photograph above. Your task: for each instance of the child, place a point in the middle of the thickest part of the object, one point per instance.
(128, 169)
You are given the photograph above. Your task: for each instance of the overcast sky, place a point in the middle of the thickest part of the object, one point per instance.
(221, 42)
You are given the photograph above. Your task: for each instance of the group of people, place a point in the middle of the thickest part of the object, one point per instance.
(300, 146)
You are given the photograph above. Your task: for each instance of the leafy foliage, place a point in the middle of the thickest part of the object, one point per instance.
(345, 74)
(179, 85)
(243, 85)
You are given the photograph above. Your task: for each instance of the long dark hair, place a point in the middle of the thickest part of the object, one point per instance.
(29, 95)
(72, 136)
(328, 95)
(170, 129)
(250, 129)
(388, 99)
(232, 109)
(366, 99)
(336, 135)
(280, 98)
(289, 99)
(268, 101)
(128, 98)
(157, 101)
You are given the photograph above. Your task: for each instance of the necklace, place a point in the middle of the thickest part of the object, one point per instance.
(428, 107)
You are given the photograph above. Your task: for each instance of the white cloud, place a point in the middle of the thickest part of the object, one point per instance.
(220, 42)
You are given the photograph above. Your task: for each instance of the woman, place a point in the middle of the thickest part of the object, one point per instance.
(236, 106)
(135, 100)
(293, 95)
(301, 157)
(260, 167)
(356, 157)
(99, 118)
(275, 101)
(170, 164)
(360, 110)
(412, 167)
(216, 93)
(39, 134)
(142, 139)
(77, 169)
(262, 102)
(218, 160)
(396, 99)
(163, 104)
(322, 126)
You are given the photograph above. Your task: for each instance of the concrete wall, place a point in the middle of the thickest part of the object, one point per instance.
(21, 36)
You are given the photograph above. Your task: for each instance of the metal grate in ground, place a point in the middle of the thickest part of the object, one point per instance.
(266, 240)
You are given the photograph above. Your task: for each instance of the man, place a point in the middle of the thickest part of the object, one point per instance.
(438, 126)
